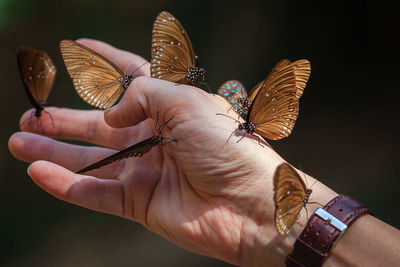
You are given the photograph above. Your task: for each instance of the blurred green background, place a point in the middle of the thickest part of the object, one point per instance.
(346, 135)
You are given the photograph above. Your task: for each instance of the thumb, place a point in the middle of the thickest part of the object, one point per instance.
(147, 97)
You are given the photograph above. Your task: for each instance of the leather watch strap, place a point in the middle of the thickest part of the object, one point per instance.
(322, 230)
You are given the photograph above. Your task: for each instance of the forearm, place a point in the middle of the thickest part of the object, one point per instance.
(367, 242)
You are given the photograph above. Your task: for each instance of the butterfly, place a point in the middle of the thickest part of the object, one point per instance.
(97, 80)
(272, 107)
(235, 93)
(172, 55)
(136, 150)
(290, 196)
(37, 73)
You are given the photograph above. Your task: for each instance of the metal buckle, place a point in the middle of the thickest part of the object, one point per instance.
(330, 219)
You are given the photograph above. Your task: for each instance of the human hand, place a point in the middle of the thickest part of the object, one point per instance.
(202, 193)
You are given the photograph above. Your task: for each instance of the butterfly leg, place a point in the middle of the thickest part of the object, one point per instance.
(182, 81)
(258, 139)
(241, 138)
(51, 117)
(39, 125)
(230, 136)
(29, 120)
(170, 140)
(208, 87)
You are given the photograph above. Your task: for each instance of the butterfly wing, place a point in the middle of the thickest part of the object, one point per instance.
(37, 72)
(172, 52)
(232, 90)
(136, 150)
(302, 70)
(289, 193)
(275, 107)
(96, 79)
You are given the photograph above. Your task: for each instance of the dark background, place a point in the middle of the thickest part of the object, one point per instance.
(346, 135)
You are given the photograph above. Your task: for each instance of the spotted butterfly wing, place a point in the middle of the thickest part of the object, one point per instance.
(136, 150)
(290, 196)
(172, 55)
(302, 70)
(234, 92)
(37, 73)
(96, 79)
(274, 107)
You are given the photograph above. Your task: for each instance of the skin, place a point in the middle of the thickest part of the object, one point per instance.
(208, 195)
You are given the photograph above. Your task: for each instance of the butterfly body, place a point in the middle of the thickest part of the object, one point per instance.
(248, 127)
(244, 103)
(125, 81)
(194, 73)
(37, 72)
(39, 108)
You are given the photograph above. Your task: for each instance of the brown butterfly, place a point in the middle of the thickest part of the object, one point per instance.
(235, 93)
(290, 196)
(97, 80)
(38, 73)
(172, 55)
(136, 150)
(271, 109)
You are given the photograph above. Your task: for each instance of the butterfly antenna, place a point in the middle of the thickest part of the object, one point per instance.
(170, 140)
(206, 84)
(165, 123)
(228, 117)
(138, 68)
(314, 183)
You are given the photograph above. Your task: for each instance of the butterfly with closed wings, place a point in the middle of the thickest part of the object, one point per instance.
(290, 196)
(37, 73)
(97, 80)
(172, 55)
(136, 150)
